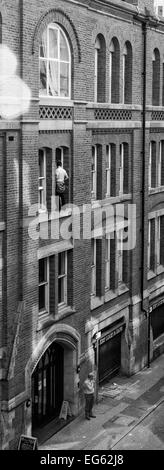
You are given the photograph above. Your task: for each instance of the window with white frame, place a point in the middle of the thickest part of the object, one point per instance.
(107, 262)
(124, 168)
(120, 255)
(93, 266)
(55, 63)
(60, 155)
(94, 172)
(97, 49)
(156, 165)
(62, 278)
(43, 285)
(151, 245)
(42, 180)
(127, 73)
(114, 71)
(108, 170)
(160, 250)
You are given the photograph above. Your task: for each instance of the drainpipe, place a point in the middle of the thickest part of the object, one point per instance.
(144, 32)
(20, 248)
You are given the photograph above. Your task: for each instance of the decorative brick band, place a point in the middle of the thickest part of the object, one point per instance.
(113, 114)
(60, 17)
(112, 131)
(157, 115)
(55, 112)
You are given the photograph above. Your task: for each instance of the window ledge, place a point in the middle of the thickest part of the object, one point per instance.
(97, 203)
(48, 320)
(96, 301)
(151, 275)
(122, 288)
(159, 189)
(2, 226)
(110, 295)
(160, 269)
(54, 101)
(64, 311)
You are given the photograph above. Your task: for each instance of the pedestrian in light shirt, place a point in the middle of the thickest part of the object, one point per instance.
(89, 388)
(61, 177)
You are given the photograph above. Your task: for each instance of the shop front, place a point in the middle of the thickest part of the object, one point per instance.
(109, 351)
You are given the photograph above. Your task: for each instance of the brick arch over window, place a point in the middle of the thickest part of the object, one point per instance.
(127, 73)
(114, 71)
(58, 16)
(156, 78)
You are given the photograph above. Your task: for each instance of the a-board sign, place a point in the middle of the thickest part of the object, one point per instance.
(65, 410)
(28, 443)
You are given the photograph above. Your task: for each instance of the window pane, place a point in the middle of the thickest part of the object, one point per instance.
(64, 79)
(42, 270)
(53, 78)
(107, 157)
(61, 266)
(93, 159)
(53, 43)
(43, 45)
(43, 77)
(61, 290)
(93, 252)
(41, 297)
(63, 48)
(41, 164)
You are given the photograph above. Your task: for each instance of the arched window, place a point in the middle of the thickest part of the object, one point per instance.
(156, 78)
(0, 28)
(100, 69)
(114, 72)
(127, 73)
(55, 63)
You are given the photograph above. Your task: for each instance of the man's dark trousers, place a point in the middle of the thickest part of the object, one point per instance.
(89, 400)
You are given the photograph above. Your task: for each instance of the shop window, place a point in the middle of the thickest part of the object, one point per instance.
(55, 63)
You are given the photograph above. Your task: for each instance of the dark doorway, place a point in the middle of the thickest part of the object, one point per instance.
(47, 386)
(109, 358)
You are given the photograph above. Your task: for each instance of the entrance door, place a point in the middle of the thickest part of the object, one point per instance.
(109, 358)
(47, 386)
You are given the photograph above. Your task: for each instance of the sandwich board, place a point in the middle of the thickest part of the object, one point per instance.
(65, 410)
(27, 443)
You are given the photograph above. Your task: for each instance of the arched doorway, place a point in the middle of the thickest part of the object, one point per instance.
(47, 386)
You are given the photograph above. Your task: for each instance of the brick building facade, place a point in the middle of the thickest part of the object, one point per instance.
(96, 75)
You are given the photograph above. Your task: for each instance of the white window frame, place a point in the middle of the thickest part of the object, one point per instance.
(48, 59)
(64, 277)
(93, 268)
(94, 174)
(111, 52)
(108, 170)
(158, 240)
(46, 284)
(149, 243)
(62, 155)
(97, 47)
(42, 184)
(121, 169)
(150, 163)
(120, 235)
(107, 263)
(124, 69)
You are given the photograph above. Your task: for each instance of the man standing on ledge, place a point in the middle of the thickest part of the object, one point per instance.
(88, 388)
(61, 177)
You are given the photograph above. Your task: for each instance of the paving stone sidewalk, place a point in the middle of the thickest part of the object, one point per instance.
(123, 403)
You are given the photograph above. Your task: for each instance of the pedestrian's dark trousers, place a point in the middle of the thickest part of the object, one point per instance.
(89, 400)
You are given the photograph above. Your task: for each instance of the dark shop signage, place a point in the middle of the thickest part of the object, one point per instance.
(156, 305)
(111, 334)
